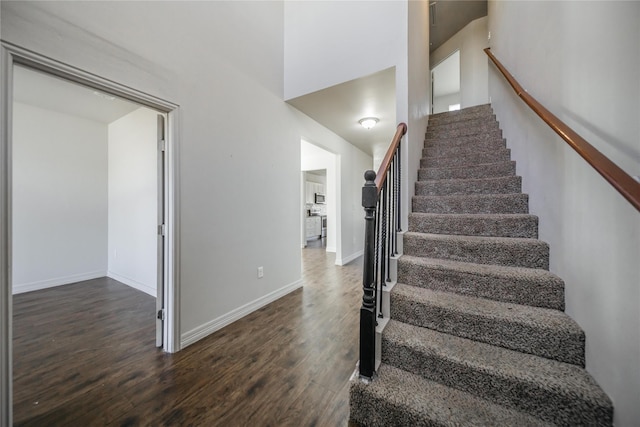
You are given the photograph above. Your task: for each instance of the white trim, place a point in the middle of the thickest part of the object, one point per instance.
(150, 290)
(6, 317)
(57, 281)
(214, 325)
(172, 240)
(350, 258)
(331, 249)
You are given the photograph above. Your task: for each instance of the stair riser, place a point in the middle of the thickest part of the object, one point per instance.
(488, 170)
(537, 340)
(371, 411)
(493, 136)
(457, 132)
(506, 185)
(481, 111)
(518, 254)
(546, 403)
(465, 150)
(480, 124)
(545, 293)
(492, 156)
(507, 204)
(521, 226)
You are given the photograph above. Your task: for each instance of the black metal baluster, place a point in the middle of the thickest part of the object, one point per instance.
(389, 227)
(367, 311)
(383, 251)
(376, 260)
(398, 157)
(394, 208)
(394, 211)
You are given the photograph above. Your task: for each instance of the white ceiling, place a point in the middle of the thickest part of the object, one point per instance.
(450, 16)
(446, 75)
(341, 106)
(46, 91)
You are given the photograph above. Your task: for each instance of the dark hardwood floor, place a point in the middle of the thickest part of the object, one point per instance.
(84, 355)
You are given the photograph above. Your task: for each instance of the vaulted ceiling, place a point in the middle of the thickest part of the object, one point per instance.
(447, 17)
(340, 107)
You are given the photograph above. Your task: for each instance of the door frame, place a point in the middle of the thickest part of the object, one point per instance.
(11, 55)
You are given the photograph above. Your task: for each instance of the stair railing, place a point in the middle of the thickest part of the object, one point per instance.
(628, 187)
(381, 202)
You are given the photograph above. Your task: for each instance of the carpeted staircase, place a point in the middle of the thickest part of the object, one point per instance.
(477, 335)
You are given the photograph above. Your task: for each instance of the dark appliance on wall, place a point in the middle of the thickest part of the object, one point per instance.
(320, 199)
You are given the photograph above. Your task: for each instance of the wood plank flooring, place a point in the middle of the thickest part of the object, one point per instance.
(84, 355)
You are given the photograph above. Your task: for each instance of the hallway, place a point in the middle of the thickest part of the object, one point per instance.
(285, 364)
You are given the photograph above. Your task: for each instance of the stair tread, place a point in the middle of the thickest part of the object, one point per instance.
(472, 216)
(503, 152)
(467, 180)
(516, 251)
(505, 225)
(487, 152)
(481, 269)
(552, 390)
(471, 196)
(465, 167)
(536, 317)
(400, 398)
(477, 239)
(498, 360)
(518, 285)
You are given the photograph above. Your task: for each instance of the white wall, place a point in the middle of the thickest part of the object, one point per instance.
(474, 89)
(331, 42)
(582, 61)
(220, 76)
(133, 200)
(418, 95)
(441, 103)
(318, 179)
(59, 198)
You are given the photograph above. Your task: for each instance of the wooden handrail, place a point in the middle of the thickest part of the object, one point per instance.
(619, 179)
(386, 162)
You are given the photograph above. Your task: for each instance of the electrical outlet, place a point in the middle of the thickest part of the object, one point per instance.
(260, 272)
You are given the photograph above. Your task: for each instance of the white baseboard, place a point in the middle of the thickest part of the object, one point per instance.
(150, 290)
(212, 326)
(331, 249)
(58, 281)
(349, 258)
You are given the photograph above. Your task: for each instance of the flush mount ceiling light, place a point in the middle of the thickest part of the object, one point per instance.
(368, 122)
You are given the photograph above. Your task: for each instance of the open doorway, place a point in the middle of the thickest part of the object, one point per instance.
(445, 84)
(316, 208)
(87, 197)
(33, 205)
(320, 218)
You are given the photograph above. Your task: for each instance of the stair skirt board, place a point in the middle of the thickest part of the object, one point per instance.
(474, 331)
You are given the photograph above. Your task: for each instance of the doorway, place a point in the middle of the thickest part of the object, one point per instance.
(445, 84)
(87, 187)
(315, 195)
(165, 232)
(319, 173)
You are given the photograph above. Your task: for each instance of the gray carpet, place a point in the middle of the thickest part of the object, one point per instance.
(477, 334)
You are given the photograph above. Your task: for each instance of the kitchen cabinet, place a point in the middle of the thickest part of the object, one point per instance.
(313, 227)
(311, 188)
